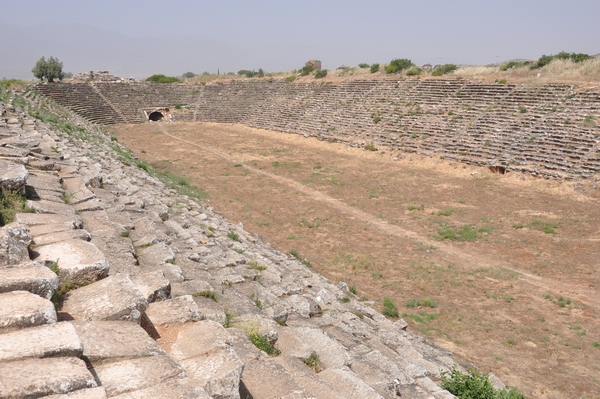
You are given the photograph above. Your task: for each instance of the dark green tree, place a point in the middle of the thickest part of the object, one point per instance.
(49, 70)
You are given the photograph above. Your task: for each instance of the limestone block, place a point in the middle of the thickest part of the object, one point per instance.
(113, 298)
(133, 374)
(114, 339)
(14, 242)
(304, 341)
(43, 206)
(153, 285)
(156, 254)
(171, 389)
(90, 393)
(195, 339)
(306, 378)
(33, 219)
(12, 175)
(303, 305)
(45, 181)
(50, 340)
(348, 384)
(281, 384)
(191, 287)
(36, 278)
(175, 310)
(217, 371)
(20, 309)
(79, 261)
(54, 237)
(33, 378)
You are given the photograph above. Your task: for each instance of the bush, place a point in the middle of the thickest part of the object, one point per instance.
(398, 65)
(389, 308)
(374, 68)
(414, 71)
(320, 73)
(444, 69)
(188, 75)
(290, 79)
(160, 78)
(363, 65)
(563, 55)
(306, 70)
(475, 385)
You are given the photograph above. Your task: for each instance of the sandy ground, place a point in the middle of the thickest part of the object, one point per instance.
(520, 301)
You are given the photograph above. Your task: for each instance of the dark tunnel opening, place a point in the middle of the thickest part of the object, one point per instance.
(155, 116)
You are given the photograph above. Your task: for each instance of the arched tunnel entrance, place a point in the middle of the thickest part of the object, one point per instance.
(155, 116)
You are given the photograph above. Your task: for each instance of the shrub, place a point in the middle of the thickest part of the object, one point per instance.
(234, 236)
(389, 308)
(475, 385)
(363, 65)
(160, 78)
(188, 75)
(374, 68)
(320, 73)
(423, 302)
(444, 69)
(306, 70)
(414, 71)
(207, 294)
(290, 79)
(370, 147)
(398, 65)
(11, 203)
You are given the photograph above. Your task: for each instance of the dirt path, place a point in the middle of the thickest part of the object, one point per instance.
(519, 301)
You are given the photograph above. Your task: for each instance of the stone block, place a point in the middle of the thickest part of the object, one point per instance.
(12, 176)
(55, 237)
(134, 374)
(34, 378)
(20, 309)
(114, 339)
(34, 219)
(302, 342)
(114, 298)
(153, 285)
(154, 255)
(175, 310)
(89, 393)
(79, 261)
(50, 340)
(171, 389)
(35, 278)
(43, 206)
(348, 384)
(14, 243)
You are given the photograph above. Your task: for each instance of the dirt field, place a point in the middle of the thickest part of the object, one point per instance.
(503, 270)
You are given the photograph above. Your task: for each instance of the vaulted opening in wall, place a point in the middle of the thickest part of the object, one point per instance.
(155, 116)
(498, 169)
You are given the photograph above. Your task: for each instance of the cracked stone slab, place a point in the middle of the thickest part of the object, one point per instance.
(51, 340)
(114, 339)
(20, 309)
(44, 206)
(37, 279)
(34, 219)
(12, 175)
(155, 255)
(135, 374)
(90, 393)
(153, 285)
(175, 310)
(171, 389)
(113, 298)
(14, 243)
(301, 342)
(79, 261)
(34, 378)
(54, 237)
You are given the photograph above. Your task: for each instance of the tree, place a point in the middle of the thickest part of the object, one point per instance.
(49, 70)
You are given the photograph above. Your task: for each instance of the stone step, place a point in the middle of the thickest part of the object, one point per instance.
(51, 340)
(32, 219)
(113, 298)
(35, 278)
(34, 378)
(59, 236)
(79, 261)
(22, 309)
(130, 375)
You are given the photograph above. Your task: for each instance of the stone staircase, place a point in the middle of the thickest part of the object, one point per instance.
(550, 131)
(114, 285)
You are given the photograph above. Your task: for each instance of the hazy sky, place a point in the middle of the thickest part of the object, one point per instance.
(140, 38)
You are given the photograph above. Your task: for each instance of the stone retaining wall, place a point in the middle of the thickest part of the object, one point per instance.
(551, 130)
(115, 286)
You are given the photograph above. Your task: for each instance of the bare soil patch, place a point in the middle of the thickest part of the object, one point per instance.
(511, 262)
